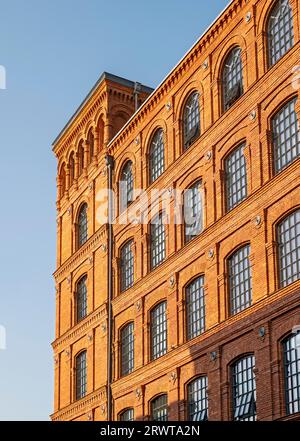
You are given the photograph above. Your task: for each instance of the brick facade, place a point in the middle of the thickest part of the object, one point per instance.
(274, 312)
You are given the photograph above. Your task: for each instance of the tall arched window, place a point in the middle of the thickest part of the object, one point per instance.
(291, 350)
(126, 266)
(80, 158)
(91, 143)
(101, 132)
(191, 120)
(127, 349)
(157, 241)
(156, 156)
(159, 408)
(81, 299)
(127, 415)
(280, 31)
(235, 177)
(240, 280)
(80, 375)
(288, 238)
(62, 178)
(193, 211)
(197, 399)
(159, 332)
(82, 226)
(126, 186)
(72, 168)
(232, 78)
(286, 139)
(244, 389)
(195, 308)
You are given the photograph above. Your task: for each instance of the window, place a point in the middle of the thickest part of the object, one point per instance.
(91, 142)
(195, 308)
(72, 168)
(157, 241)
(158, 322)
(197, 399)
(280, 32)
(288, 237)
(127, 349)
(240, 283)
(286, 142)
(156, 156)
(232, 78)
(80, 375)
(81, 299)
(191, 120)
(126, 186)
(126, 266)
(159, 408)
(235, 178)
(244, 389)
(193, 211)
(80, 158)
(82, 230)
(62, 178)
(127, 415)
(291, 348)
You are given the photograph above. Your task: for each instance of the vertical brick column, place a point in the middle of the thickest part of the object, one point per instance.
(173, 395)
(139, 333)
(208, 189)
(90, 361)
(214, 381)
(57, 362)
(212, 295)
(172, 312)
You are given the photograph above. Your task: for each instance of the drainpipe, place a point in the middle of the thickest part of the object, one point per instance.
(136, 91)
(110, 166)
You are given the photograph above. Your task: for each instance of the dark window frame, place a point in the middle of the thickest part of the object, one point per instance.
(160, 412)
(195, 295)
(198, 412)
(239, 300)
(158, 330)
(156, 156)
(232, 80)
(126, 186)
(157, 241)
(291, 361)
(127, 349)
(236, 179)
(126, 266)
(196, 206)
(81, 375)
(244, 391)
(81, 298)
(82, 225)
(126, 414)
(191, 120)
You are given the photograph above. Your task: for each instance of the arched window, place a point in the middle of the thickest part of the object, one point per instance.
(82, 226)
(157, 241)
(62, 178)
(191, 120)
(235, 178)
(80, 375)
(197, 399)
(156, 156)
(193, 211)
(291, 349)
(127, 415)
(195, 308)
(126, 186)
(126, 266)
(244, 389)
(280, 31)
(159, 333)
(80, 158)
(91, 144)
(159, 408)
(232, 78)
(286, 140)
(288, 238)
(81, 299)
(101, 132)
(72, 168)
(127, 349)
(240, 280)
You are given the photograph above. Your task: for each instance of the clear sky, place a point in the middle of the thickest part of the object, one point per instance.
(53, 52)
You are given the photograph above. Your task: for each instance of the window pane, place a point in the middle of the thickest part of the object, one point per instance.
(280, 31)
(195, 308)
(159, 408)
(82, 226)
(286, 142)
(157, 245)
(291, 348)
(240, 284)
(127, 266)
(288, 236)
(197, 398)
(126, 186)
(232, 77)
(127, 349)
(127, 415)
(81, 297)
(193, 211)
(244, 389)
(158, 331)
(236, 178)
(80, 366)
(191, 120)
(156, 156)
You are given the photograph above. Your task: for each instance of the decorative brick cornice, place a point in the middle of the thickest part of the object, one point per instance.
(81, 255)
(80, 407)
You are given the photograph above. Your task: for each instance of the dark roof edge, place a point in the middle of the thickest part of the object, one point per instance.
(104, 76)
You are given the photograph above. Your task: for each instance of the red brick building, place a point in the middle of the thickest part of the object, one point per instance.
(187, 309)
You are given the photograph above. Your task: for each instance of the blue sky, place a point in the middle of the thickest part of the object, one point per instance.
(53, 53)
